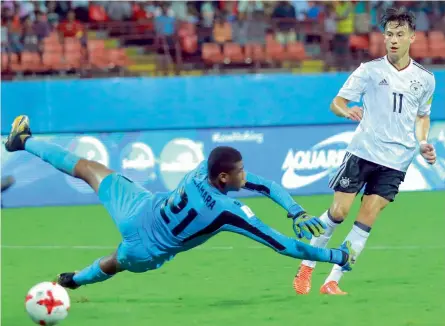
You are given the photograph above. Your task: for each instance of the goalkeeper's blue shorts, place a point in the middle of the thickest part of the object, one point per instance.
(130, 207)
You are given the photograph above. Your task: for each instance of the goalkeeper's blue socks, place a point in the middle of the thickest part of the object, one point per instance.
(91, 274)
(54, 154)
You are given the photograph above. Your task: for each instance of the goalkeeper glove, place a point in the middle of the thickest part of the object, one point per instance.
(306, 226)
(349, 256)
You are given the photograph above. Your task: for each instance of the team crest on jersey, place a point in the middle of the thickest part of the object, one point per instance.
(344, 182)
(416, 87)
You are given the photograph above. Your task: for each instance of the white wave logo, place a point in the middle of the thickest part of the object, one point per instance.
(140, 157)
(89, 148)
(179, 156)
(314, 159)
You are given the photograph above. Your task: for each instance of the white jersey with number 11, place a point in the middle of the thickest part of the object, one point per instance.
(392, 100)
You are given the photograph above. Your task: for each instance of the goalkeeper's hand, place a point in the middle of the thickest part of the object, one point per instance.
(306, 226)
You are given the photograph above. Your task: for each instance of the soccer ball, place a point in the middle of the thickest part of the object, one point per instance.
(47, 303)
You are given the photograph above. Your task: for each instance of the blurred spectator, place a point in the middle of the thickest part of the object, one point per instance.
(362, 17)
(250, 29)
(344, 12)
(41, 26)
(285, 13)
(239, 31)
(29, 37)
(14, 43)
(422, 20)
(301, 9)
(81, 9)
(314, 11)
(26, 9)
(118, 10)
(179, 9)
(51, 15)
(257, 27)
(208, 14)
(165, 24)
(72, 28)
(222, 31)
(192, 14)
(230, 11)
(246, 8)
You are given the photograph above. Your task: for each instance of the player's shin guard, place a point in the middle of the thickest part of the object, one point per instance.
(91, 274)
(55, 155)
(358, 236)
(323, 239)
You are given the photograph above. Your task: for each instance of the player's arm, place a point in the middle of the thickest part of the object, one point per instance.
(242, 220)
(352, 91)
(304, 225)
(423, 125)
(272, 190)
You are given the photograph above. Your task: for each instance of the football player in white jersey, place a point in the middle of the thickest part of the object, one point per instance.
(394, 123)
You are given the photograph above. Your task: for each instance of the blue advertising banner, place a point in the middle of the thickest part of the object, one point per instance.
(301, 159)
(129, 104)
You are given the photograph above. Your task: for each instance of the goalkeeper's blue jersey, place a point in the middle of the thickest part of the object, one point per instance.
(196, 210)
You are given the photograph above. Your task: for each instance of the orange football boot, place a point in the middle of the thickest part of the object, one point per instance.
(332, 288)
(302, 281)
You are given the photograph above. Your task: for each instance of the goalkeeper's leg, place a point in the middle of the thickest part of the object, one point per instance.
(101, 270)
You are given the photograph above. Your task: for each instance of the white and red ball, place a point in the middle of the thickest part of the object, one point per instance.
(47, 303)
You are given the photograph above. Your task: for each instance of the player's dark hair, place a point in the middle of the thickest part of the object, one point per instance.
(399, 15)
(222, 159)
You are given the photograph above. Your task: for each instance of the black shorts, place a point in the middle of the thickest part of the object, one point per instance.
(356, 172)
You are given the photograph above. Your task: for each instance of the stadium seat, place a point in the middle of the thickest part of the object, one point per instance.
(376, 45)
(419, 50)
(254, 53)
(53, 61)
(52, 46)
(233, 53)
(211, 53)
(117, 57)
(295, 51)
(186, 29)
(4, 61)
(421, 37)
(72, 46)
(95, 45)
(30, 63)
(189, 43)
(359, 42)
(436, 43)
(275, 51)
(73, 60)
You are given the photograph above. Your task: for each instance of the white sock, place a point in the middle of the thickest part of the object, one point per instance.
(323, 239)
(358, 237)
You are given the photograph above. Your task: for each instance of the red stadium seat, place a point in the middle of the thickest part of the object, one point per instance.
(211, 53)
(233, 53)
(359, 42)
(275, 51)
(436, 43)
(295, 51)
(254, 53)
(376, 45)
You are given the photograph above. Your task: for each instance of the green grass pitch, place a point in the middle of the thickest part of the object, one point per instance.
(399, 279)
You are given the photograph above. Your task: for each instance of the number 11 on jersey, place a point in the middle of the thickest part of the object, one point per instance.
(395, 102)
